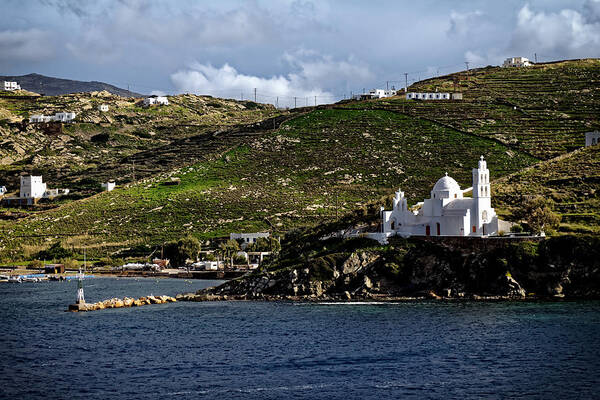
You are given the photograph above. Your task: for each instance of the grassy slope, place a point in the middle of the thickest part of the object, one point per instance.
(572, 181)
(66, 160)
(285, 179)
(555, 104)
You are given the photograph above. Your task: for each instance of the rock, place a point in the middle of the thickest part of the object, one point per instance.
(432, 295)
(347, 295)
(367, 282)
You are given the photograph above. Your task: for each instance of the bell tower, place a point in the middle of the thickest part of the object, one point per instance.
(482, 195)
(481, 180)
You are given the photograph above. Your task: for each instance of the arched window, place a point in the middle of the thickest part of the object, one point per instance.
(428, 230)
(484, 216)
(438, 228)
(393, 225)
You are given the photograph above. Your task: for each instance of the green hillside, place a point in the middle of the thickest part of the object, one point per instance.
(571, 181)
(294, 176)
(248, 167)
(543, 110)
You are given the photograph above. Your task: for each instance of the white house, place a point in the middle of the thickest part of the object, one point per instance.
(592, 138)
(108, 186)
(32, 187)
(103, 107)
(517, 62)
(10, 86)
(446, 212)
(207, 265)
(156, 100)
(62, 117)
(248, 238)
(433, 96)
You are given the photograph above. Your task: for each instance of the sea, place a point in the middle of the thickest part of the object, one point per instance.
(290, 350)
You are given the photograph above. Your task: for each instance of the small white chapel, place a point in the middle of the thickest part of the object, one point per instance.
(447, 212)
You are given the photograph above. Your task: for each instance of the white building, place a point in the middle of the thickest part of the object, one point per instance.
(156, 100)
(592, 138)
(64, 116)
(103, 107)
(108, 186)
(517, 62)
(376, 94)
(10, 86)
(207, 265)
(32, 187)
(446, 212)
(248, 238)
(433, 96)
(2, 190)
(61, 117)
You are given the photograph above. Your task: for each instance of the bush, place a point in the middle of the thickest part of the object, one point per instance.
(516, 228)
(100, 138)
(36, 264)
(238, 260)
(180, 251)
(55, 252)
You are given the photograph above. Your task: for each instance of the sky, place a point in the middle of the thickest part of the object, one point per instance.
(313, 50)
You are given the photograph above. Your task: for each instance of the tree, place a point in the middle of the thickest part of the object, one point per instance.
(539, 215)
(55, 252)
(266, 244)
(184, 249)
(228, 249)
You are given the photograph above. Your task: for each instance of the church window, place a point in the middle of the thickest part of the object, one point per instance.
(392, 226)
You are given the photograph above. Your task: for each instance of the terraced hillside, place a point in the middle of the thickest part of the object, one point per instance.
(572, 181)
(93, 149)
(542, 110)
(313, 168)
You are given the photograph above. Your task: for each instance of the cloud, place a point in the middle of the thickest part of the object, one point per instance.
(563, 34)
(462, 23)
(312, 72)
(26, 45)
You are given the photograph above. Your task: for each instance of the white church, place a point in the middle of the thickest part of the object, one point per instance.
(446, 212)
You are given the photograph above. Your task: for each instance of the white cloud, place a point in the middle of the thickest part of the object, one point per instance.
(312, 73)
(563, 34)
(26, 45)
(462, 23)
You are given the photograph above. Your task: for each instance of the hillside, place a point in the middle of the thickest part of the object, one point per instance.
(94, 147)
(50, 86)
(248, 167)
(314, 167)
(571, 181)
(542, 110)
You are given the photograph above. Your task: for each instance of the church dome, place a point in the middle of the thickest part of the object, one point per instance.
(446, 184)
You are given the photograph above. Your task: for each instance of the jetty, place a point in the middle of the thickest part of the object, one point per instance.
(120, 303)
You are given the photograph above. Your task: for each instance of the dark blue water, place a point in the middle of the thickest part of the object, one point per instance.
(254, 350)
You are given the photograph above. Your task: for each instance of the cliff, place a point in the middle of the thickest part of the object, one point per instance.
(560, 267)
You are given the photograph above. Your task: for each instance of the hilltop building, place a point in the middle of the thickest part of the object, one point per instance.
(10, 86)
(60, 117)
(517, 62)
(103, 107)
(32, 186)
(108, 186)
(248, 238)
(376, 94)
(446, 212)
(31, 190)
(156, 100)
(592, 138)
(433, 96)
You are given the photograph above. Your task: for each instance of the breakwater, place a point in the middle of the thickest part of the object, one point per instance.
(121, 303)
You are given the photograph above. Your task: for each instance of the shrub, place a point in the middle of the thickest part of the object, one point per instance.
(100, 138)
(516, 228)
(180, 251)
(55, 252)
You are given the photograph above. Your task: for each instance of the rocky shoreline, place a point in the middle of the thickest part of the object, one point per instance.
(121, 303)
(552, 269)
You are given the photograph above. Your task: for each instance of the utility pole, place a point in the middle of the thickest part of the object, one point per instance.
(467, 64)
(255, 95)
(315, 101)
(295, 101)
(242, 96)
(133, 170)
(387, 85)
(306, 104)
(535, 56)
(406, 82)
(277, 102)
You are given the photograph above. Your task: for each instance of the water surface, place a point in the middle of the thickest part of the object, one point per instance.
(285, 350)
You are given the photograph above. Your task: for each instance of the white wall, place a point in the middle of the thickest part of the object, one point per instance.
(592, 138)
